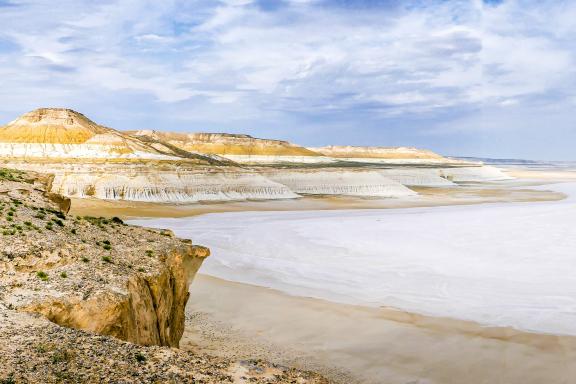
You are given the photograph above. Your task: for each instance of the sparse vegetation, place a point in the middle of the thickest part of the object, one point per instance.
(117, 220)
(8, 380)
(42, 275)
(140, 357)
(60, 356)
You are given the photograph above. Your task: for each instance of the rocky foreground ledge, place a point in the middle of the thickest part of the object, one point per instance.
(92, 300)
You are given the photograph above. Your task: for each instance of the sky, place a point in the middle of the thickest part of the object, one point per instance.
(492, 78)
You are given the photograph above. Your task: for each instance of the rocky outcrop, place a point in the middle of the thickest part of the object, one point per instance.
(92, 161)
(149, 312)
(90, 273)
(92, 300)
(36, 351)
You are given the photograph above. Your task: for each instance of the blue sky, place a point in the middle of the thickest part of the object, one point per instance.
(480, 78)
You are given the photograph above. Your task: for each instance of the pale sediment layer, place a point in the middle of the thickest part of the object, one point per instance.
(444, 176)
(411, 176)
(338, 182)
(162, 182)
(427, 197)
(474, 174)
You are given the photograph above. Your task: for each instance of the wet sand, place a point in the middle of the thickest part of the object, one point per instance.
(355, 344)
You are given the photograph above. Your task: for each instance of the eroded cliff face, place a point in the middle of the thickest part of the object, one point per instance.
(149, 311)
(89, 273)
(92, 300)
(338, 181)
(158, 182)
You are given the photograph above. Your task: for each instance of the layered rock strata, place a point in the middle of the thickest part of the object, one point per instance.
(242, 149)
(89, 160)
(91, 300)
(336, 181)
(158, 182)
(384, 155)
(64, 133)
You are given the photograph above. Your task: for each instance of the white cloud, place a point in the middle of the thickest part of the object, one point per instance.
(305, 57)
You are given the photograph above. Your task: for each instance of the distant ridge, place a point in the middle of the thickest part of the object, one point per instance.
(349, 151)
(227, 144)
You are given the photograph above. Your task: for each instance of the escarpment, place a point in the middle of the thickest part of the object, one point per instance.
(92, 300)
(243, 149)
(91, 273)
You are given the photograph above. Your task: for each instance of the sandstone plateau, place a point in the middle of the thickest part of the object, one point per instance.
(243, 149)
(92, 300)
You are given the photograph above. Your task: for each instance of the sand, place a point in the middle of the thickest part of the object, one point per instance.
(354, 344)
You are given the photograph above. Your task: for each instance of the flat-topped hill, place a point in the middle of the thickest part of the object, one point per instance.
(228, 144)
(377, 152)
(64, 133)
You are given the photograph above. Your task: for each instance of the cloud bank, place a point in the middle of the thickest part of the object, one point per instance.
(488, 78)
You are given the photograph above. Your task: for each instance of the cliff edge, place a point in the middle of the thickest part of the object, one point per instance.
(81, 298)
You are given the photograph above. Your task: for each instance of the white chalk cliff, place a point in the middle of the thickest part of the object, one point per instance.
(329, 181)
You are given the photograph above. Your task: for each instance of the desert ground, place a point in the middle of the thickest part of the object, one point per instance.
(364, 343)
